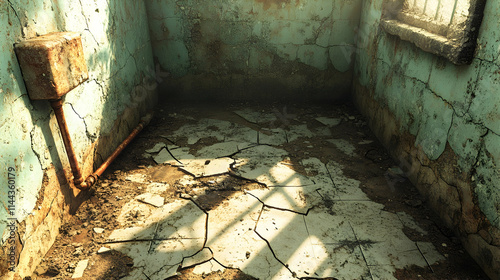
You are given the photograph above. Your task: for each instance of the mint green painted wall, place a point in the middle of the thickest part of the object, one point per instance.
(117, 49)
(439, 102)
(252, 39)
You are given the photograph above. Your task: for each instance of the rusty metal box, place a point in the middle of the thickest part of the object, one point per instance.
(52, 64)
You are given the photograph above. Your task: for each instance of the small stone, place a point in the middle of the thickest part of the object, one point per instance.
(98, 230)
(103, 250)
(444, 245)
(186, 196)
(80, 268)
(41, 268)
(78, 251)
(152, 199)
(86, 224)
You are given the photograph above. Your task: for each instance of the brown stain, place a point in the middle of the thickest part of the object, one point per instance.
(277, 3)
(214, 49)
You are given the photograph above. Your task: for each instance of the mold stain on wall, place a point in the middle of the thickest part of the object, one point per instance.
(276, 3)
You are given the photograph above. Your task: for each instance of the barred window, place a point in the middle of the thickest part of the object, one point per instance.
(448, 28)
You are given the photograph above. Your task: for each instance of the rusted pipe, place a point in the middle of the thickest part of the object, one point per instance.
(78, 180)
(63, 127)
(92, 179)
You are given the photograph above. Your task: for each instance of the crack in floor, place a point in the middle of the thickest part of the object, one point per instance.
(308, 220)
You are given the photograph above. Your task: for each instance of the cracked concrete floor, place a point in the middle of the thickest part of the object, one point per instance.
(246, 191)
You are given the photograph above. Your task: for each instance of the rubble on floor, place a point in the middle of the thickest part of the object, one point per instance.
(279, 199)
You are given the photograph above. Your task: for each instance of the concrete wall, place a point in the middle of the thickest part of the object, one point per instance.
(255, 49)
(443, 123)
(100, 113)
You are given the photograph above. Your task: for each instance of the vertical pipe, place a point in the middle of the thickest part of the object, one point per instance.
(425, 6)
(63, 127)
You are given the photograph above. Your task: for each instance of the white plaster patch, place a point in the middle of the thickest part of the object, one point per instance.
(344, 188)
(152, 199)
(264, 164)
(208, 267)
(297, 131)
(180, 155)
(330, 122)
(202, 256)
(291, 198)
(170, 233)
(409, 222)
(306, 253)
(218, 129)
(157, 188)
(343, 145)
(80, 268)
(136, 177)
(270, 173)
(222, 149)
(274, 137)
(235, 244)
(207, 167)
(103, 250)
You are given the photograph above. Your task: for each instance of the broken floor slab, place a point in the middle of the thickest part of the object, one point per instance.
(173, 157)
(207, 167)
(202, 256)
(169, 234)
(208, 267)
(330, 122)
(343, 145)
(311, 221)
(265, 165)
(287, 198)
(152, 199)
(256, 116)
(234, 243)
(224, 149)
(345, 188)
(305, 254)
(218, 129)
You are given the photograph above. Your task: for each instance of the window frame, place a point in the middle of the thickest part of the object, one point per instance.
(456, 45)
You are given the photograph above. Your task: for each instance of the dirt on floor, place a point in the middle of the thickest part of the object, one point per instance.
(381, 180)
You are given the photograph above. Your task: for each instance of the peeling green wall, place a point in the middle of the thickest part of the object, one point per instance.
(443, 106)
(118, 52)
(246, 49)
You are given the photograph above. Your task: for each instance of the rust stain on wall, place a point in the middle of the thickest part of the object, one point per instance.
(277, 3)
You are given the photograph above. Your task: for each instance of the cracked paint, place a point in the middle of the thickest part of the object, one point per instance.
(277, 231)
(449, 110)
(166, 236)
(35, 149)
(206, 39)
